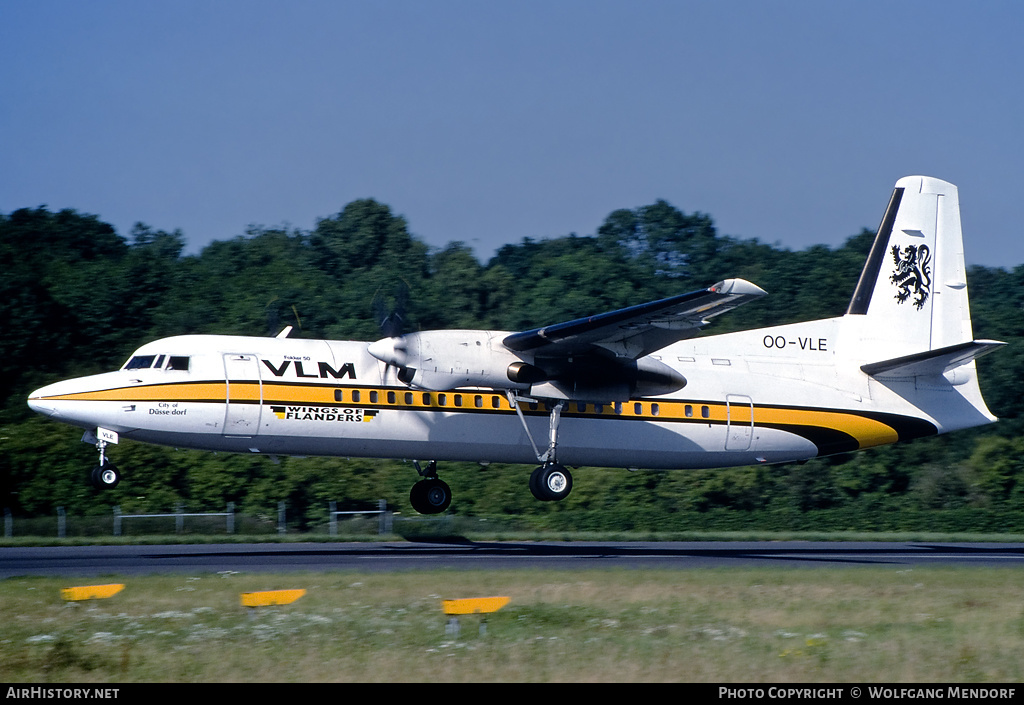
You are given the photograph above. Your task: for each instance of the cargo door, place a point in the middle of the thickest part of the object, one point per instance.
(739, 423)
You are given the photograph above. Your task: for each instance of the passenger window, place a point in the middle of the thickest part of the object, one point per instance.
(178, 362)
(705, 412)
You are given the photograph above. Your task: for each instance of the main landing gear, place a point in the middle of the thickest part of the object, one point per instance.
(431, 495)
(550, 482)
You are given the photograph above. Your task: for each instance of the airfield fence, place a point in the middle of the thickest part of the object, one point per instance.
(179, 518)
(355, 522)
(385, 518)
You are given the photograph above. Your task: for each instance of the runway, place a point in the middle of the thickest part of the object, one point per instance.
(72, 561)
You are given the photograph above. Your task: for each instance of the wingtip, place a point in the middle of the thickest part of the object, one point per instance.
(738, 287)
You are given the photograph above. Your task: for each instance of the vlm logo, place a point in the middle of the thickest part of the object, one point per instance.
(324, 370)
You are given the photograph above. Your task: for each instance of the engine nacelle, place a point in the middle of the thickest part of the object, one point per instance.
(439, 360)
(605, 380)
(654, 378)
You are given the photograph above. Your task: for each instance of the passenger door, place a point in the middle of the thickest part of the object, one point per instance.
(244, 395)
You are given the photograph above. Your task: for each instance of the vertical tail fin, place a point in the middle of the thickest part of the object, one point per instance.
(909, 320)
(913, 289)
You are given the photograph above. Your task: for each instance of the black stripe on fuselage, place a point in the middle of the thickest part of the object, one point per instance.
(829, 438)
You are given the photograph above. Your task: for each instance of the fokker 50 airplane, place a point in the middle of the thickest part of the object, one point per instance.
(630, 388)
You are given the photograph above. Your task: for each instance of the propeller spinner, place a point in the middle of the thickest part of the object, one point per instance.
(392, 351)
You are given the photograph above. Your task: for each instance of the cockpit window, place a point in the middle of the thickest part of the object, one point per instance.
(145, 362)
(140, 362)
(178, 363)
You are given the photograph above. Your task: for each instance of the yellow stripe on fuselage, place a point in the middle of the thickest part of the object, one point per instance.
(866, 431)
(189, 391)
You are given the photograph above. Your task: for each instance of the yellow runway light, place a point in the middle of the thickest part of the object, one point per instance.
(470, 605)
(90, 592)
(271, 597)
(474, 605)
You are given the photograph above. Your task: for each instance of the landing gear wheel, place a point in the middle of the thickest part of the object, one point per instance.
(430, 496)
(551, 482)
(105, 476)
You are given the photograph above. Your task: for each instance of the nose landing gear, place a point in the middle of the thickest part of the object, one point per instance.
(104, 476)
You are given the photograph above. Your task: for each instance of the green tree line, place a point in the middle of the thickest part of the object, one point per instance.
(76, 298)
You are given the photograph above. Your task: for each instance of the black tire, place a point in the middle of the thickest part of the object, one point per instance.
(105, 476)
(535, 484)
(551, 482)
(431, 496)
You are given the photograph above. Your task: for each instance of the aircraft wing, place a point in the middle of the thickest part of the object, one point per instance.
(637, 330)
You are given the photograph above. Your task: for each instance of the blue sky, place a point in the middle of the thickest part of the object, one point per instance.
(488, 122)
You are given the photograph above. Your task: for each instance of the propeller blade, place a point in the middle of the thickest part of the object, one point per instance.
(392, 348)
(392, 323)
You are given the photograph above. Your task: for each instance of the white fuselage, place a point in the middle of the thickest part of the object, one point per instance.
(764, 396)
(900, 364)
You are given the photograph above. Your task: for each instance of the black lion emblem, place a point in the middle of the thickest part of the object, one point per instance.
(913, 275)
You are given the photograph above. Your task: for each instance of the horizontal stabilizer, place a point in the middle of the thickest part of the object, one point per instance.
(932, 362)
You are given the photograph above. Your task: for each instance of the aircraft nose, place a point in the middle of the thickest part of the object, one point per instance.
(38, 403)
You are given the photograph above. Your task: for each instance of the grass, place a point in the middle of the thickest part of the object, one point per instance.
(725, 625)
